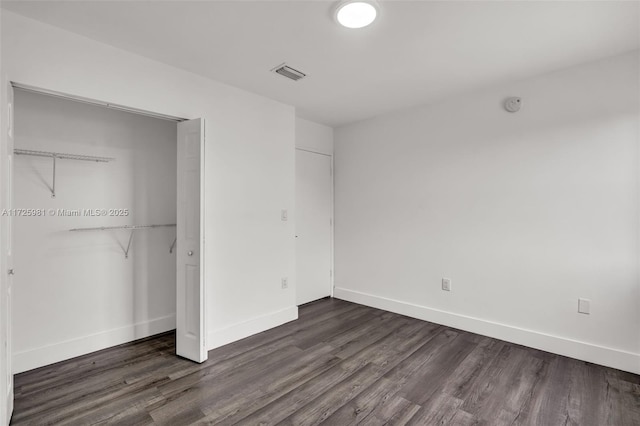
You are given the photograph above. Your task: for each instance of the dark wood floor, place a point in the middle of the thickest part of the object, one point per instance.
(339, 364)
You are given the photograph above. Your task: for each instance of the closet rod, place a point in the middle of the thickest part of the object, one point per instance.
(131, 228)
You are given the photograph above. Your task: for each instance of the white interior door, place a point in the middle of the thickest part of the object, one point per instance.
(190, 314)
(6, 201)
(314, 208)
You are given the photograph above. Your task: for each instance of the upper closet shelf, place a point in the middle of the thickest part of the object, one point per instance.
(59, 155)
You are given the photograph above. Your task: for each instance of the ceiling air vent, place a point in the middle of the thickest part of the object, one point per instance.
(287, 71)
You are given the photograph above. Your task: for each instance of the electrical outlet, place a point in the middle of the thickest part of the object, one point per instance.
(446, 284)
(584, 306)
(285, 282)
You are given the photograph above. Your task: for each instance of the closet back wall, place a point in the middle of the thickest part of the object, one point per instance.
(74, 292)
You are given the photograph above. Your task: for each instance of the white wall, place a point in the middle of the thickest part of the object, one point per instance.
(314, 136)
(249, 162)
(66, 275)
(525, 212)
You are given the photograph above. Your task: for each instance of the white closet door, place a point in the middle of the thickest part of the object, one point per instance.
(313, 226)
(7, 262)
(190, 314)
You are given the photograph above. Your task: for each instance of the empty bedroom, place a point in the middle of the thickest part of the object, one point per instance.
(350, 212)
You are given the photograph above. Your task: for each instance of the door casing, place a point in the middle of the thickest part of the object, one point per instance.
(300, 299)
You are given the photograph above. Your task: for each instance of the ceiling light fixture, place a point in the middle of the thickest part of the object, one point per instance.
(356, 13)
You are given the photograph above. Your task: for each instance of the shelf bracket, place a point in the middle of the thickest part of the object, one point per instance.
(173, 245)
(126, 253)
(53, 186)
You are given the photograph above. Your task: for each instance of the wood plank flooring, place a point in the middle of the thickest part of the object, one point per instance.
(339, 364)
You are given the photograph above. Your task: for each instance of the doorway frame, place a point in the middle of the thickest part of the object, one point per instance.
(110, 105)
(13, 85)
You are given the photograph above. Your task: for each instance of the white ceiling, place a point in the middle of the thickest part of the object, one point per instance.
(416, 52)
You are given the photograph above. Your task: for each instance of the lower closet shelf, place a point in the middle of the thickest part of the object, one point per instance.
(132, 228)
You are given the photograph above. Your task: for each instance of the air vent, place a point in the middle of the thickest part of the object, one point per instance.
(286, 71)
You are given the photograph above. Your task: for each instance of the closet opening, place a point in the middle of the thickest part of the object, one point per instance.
(107, 228)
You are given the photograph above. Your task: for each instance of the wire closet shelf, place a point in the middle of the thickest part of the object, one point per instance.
(131, 228)
(60, 156)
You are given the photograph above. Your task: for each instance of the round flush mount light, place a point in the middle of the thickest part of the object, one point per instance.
(356, 13)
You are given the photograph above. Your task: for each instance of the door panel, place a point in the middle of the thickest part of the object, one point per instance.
(190, 314)
(192, 284)
(313, 226)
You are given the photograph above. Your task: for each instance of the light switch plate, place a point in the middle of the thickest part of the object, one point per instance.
(446, 284)
(584, 306)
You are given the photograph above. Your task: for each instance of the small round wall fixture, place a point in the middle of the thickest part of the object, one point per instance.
(513, 104)
(356, 13)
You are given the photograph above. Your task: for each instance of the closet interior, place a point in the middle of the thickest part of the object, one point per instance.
(94, 252)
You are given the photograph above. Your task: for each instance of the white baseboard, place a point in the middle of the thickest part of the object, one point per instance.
(609, 357)
(234, 332)
(49, 354)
